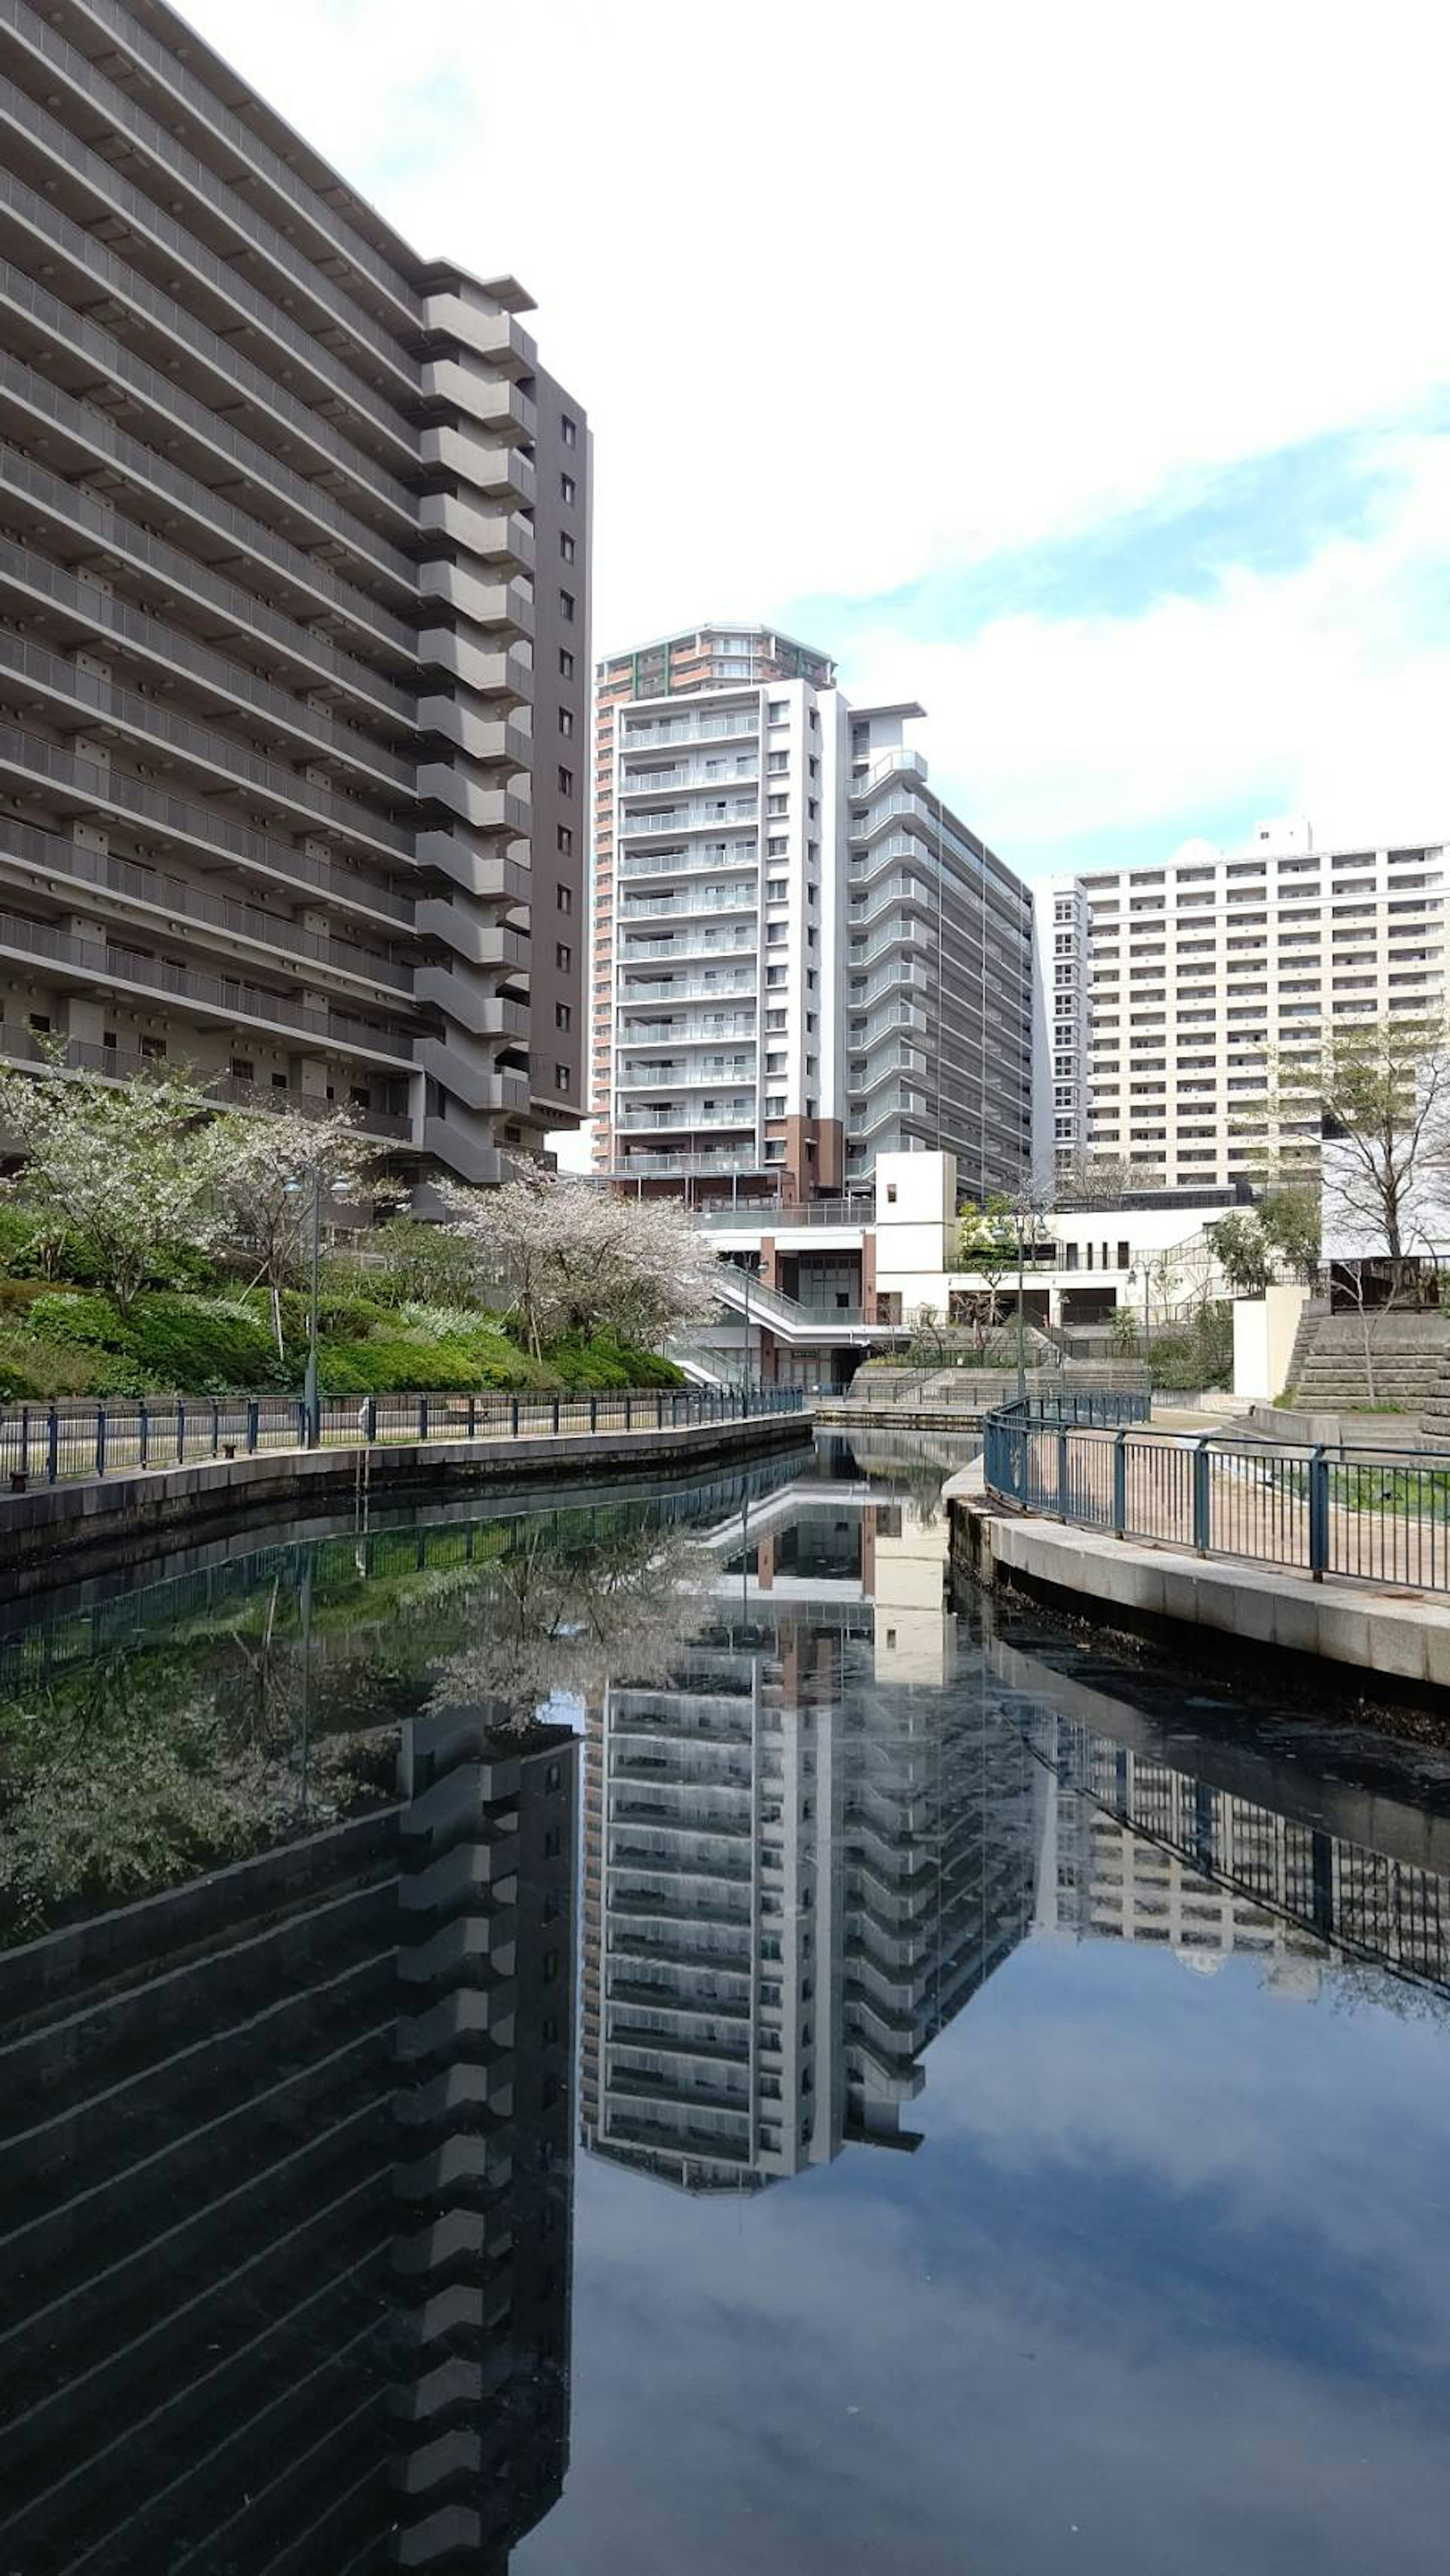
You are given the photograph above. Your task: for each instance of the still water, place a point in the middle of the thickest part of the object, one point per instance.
(648, 2038)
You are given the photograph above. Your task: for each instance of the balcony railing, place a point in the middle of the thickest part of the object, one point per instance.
(631, 827)
(173, 895)
(162, 60)
(675, 863)
(315, 730)
(113, 792)
(686, 989)
(651, 734)
(257, 466)
(665, 907)
(92, 429)
(685, 774)
(184, 573)
(227, 994)
(144, 217)
(19, 1045)
(221, 357)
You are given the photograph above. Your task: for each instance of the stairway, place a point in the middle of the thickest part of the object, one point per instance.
(1407, 1360)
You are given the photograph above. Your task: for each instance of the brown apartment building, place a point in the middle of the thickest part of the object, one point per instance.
(294, 620)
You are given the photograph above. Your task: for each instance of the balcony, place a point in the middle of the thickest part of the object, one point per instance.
(686, 774)
(678, 863)
(175, 898)
(19, 1045)
(227, 996)
(97, 444)
(653, 733)
(706, 1070)
(692, 907)
(687, 988)
(632, 827)
(180, 576)
(686, 1122)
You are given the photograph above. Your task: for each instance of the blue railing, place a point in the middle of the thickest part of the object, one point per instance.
(1374, 1515)
(50, 1444)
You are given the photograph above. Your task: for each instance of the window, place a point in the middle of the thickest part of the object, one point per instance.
(563, 956)
(561, 1077)
(564, 898)
(891, 1194)
(566, 780)
(567, 605)
(108, 1037)
(565, 838)
(566, 545)
(568, 430)
(241, 1068)
(566, 663)
(563, 1016)
(567, 489)
(566, 720)
(153, 1048)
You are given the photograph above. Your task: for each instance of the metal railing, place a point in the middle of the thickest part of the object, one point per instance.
(1376, 1515)
(57, 1443)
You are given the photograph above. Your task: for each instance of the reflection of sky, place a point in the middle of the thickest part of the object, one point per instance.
(1165, 2293)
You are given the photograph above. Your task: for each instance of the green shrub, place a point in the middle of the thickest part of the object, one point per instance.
(32, 1371)
(421, 1262)
(82, 1322)
(202, 1346)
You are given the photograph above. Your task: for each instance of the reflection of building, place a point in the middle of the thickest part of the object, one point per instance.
(794, 1877)
(1149, 1853)
(481, 2262)
(245, 2326)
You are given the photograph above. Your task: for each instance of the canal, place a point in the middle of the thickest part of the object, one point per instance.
(653, 2037)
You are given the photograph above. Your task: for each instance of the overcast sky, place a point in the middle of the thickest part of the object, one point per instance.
(1080, 372)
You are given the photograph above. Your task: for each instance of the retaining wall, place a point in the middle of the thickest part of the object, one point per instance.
(61, 1530)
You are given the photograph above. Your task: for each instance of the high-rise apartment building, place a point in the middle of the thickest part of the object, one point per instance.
(294, 620)
(1178, 997)
(801, 957)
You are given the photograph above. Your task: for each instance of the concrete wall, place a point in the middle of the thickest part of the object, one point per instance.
(1264, 1331)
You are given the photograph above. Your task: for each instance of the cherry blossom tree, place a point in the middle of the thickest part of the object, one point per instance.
(127, 1169)
(271, 1174)
(578, 1258)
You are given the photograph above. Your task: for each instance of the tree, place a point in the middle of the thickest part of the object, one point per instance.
(1243, 1253)
(1382, 1091)
(987, 1242)
(1289, 1215)
(272, 1173)
(579, 1259)
(126, 1169)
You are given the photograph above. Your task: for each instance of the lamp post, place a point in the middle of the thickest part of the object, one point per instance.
(310, 1396)
(1021, 1333)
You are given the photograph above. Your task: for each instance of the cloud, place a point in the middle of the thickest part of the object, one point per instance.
(1092, 301)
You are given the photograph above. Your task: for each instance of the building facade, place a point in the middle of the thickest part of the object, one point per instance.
(1173, 993)
(801, 958)
(294, 620)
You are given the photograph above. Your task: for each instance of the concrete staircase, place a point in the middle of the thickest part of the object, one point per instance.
(1401, 1370)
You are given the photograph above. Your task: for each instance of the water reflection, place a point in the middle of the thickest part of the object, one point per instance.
(297, 1847)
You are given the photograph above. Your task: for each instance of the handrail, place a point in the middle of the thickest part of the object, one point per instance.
(59, 1443)
(1376, 1514)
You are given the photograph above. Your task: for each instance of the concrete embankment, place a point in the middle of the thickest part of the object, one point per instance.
(91, 1525)
(1391, 1644)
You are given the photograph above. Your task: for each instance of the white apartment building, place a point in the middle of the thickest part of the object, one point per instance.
(802, 959)
(1172, 993)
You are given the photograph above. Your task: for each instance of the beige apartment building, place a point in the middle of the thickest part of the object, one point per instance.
(1177, 998)
(294, 620)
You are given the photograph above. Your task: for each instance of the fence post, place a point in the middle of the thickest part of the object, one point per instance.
(472, 1416)
(556, 1417)
(100, 1440)
(1062, 1492)
(370, 1418)
(1200, 1493)
(216, 1428)
(25, 1440)
(254, 1415)
(1120, 1482)
(422, 1417)
(52, 1446)
(594, 1413)
(1318, 1514)
(144, 1420)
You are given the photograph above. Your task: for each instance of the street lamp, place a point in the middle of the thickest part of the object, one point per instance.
(310, 1396)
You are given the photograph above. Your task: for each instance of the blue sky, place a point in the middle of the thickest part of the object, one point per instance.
(1052, 368)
